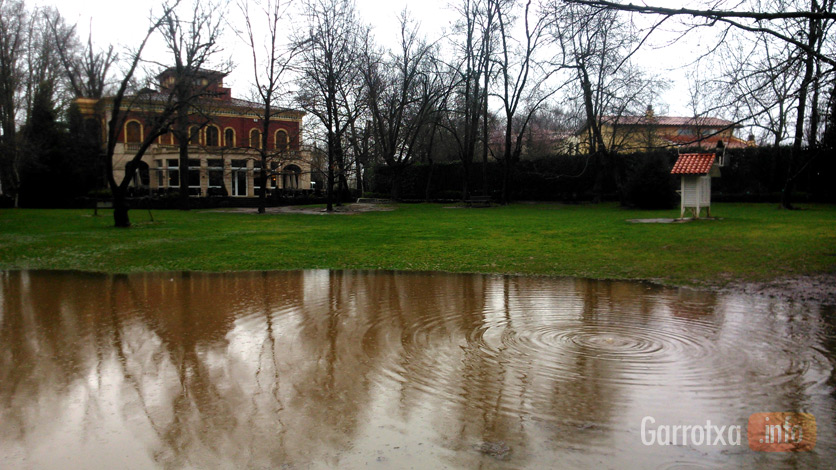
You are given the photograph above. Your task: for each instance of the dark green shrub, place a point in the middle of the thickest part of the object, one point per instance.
(650, 184)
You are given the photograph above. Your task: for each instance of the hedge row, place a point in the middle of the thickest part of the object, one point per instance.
(640, 179)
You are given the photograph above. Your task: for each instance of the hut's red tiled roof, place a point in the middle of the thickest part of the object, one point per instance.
(693, 164)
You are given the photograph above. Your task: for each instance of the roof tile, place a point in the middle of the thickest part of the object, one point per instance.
(693, 164)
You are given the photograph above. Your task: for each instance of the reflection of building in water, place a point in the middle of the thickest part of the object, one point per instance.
(322, 369)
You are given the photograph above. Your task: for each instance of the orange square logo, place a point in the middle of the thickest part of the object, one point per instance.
(782, 432)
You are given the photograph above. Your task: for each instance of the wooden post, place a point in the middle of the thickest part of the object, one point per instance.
(698, 198)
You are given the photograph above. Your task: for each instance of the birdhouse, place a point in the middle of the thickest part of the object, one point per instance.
(695, 170)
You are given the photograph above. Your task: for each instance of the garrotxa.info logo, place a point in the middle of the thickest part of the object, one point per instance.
(782, 432)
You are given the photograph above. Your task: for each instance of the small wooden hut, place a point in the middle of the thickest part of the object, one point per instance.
(696, 170)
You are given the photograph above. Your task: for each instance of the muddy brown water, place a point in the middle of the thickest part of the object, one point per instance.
(322, 369)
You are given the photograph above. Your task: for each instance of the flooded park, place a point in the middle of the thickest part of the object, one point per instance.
(372, 369)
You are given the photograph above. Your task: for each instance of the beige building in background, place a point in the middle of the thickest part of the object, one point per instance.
(627, 134)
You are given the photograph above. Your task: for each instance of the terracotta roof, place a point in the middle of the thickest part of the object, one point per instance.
(668, 121)
(151, 96)
(705, 142)
(693, 164)
(198, 73)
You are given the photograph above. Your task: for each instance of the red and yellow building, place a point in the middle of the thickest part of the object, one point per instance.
(224, 152)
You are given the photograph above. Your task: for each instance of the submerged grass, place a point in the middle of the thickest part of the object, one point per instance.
(752, 242)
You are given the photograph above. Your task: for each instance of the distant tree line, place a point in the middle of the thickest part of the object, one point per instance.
(47, 152)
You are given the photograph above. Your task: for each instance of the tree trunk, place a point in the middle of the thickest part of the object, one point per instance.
(120, 209)
(345, 193)
(329, 184)
(506, 171)
(397, 176)
(184, 174)
(465, 181)
(485, 140)
(361, 187)
(429, 181)
(809, 64)
(262, 192)
(598, 186)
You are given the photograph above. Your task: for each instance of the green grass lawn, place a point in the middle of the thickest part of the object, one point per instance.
(752, 242)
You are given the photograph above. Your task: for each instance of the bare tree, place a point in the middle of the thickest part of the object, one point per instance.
(29, 68)
(330, 78)
(193, 40)
(467, 96)
(801, 24)
(13, 27)
(401, 91)
(522, 80)
(746, 20)
(159, 121)
(760, 79)
(596, 47)
(270, 71)
(86, 68)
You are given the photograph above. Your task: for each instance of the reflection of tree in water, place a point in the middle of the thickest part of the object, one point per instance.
(190, 326)
(244, 370)
(167, 343)
(45, 348)
(330, 388)
(221, 414)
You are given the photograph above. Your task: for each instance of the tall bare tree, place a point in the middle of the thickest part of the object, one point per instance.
(466, 103)
(270, 71)
(330, 78)
(760, 79)
(596, 47)
(401, 92)
(192, 35)
(522, 80)
(120, 105)
(29, 68)
(14, 19)
(85, 67)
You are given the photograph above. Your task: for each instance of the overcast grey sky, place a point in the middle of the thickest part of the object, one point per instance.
(125, 23)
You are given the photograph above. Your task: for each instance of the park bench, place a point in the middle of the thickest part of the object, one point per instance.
(102, 205)
(479, 201)
(109, 205)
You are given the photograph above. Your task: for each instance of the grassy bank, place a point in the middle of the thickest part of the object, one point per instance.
(752, 242)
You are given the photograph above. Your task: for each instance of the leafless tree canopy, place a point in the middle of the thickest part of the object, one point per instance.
(778, 61)
(330, 83)
(470, 95)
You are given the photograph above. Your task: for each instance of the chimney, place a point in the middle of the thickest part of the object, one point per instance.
(649, 113)
(750, 142)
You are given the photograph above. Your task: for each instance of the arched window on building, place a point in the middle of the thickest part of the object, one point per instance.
(255, 139)
(290, 177)
(229, 138)
(213, 136)
(133, 132)
(282, 142)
